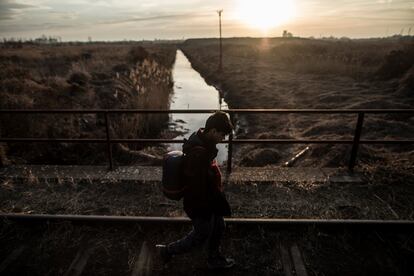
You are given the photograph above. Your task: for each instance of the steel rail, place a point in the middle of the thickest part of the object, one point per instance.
(234, 141)
(200, 111)
(334, 223)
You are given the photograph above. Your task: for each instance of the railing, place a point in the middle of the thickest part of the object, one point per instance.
(356, 141)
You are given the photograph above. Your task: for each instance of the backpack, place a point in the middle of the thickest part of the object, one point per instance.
(172, 184)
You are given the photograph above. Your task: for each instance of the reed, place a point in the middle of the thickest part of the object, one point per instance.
(82, 77)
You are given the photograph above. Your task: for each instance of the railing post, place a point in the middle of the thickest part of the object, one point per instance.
(108, 141)
(355, 144)
(230, 153)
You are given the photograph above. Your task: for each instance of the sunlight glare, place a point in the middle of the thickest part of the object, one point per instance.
(265, 14)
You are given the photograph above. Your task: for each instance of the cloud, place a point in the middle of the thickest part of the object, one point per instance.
(178, 18)
(16, 29)
(382, 19)
(157, 18)
(384, 10)
(11, 9)
(63, 15)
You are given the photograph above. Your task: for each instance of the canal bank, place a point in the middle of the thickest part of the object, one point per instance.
(192, 92)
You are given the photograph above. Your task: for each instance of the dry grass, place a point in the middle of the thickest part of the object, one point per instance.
(359, 59)
(79, 77)
(345, 58)
(387, 194)
(304, 73)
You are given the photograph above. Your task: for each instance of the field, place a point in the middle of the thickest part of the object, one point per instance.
(331, 74)
(257, 73)
(84, 76)
(302, 73)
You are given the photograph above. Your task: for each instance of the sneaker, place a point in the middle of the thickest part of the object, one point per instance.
(163, 253)
(220, 262)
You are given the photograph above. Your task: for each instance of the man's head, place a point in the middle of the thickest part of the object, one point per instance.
(217, 127)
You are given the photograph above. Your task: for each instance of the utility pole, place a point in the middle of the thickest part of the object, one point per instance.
(221, 53)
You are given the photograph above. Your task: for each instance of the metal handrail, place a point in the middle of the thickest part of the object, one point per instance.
(201, 111)
(234, 141)
(375, 224)
(109, 141)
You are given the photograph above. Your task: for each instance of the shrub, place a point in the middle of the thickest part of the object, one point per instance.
(137, 54)
(79, 78)
(406, 83)
(396, 63)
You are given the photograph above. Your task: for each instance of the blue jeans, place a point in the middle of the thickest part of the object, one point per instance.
(210, 230)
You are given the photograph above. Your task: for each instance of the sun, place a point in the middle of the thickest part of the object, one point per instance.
(264, 14)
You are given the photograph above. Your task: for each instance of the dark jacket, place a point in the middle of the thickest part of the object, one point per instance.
(202, 197)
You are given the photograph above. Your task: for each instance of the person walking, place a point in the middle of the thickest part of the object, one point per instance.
(204, 200)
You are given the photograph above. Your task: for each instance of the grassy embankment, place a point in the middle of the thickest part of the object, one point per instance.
(302, 73)
(97, 76)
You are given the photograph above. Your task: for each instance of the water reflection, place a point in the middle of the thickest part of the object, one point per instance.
(192, 92)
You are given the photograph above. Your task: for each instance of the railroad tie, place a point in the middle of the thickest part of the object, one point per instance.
(143, 266)
(79, 263)
(298, 261)
(12, 257)
(292, 261)
(286, 262)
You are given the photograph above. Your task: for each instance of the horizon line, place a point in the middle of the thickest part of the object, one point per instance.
(59, 38)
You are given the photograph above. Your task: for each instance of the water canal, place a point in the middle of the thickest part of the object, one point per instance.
(192, 92)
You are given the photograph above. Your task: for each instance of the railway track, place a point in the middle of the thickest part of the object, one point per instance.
(113, 245)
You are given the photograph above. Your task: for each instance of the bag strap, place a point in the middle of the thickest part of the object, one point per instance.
(198, 147)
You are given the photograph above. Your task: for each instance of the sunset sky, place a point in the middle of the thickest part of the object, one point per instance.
(150, 19)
